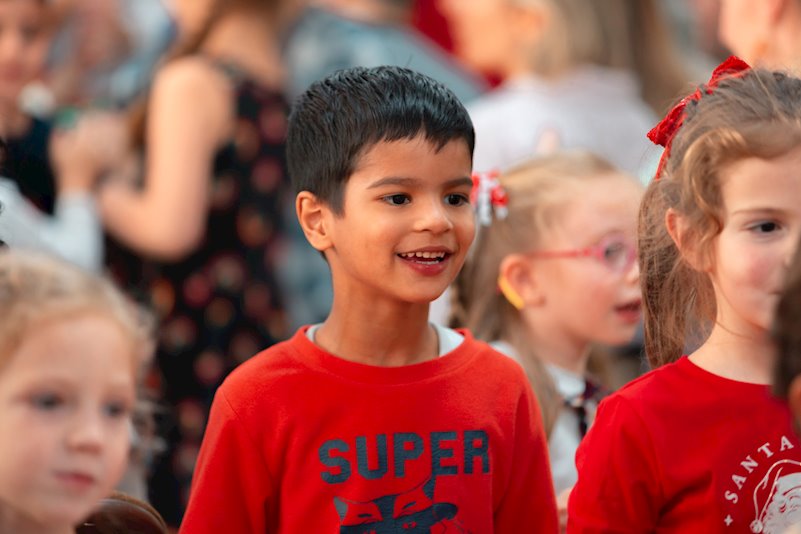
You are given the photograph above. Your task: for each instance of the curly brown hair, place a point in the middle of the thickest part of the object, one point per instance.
(755, 114)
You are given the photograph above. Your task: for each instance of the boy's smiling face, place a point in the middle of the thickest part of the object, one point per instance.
(406, 224)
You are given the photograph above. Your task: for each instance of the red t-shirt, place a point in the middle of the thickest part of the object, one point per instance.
(302, 441)
(683, 450)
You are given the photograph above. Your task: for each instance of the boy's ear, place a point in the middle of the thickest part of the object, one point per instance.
(520, 281)
(794, 398)
(313, 215)
(677, 229)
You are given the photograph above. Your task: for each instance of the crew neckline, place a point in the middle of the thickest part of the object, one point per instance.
(312, 355)
(685, 364)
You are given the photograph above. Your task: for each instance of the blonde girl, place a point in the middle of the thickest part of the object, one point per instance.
(699, 444)
(70, 352)
(552, 276)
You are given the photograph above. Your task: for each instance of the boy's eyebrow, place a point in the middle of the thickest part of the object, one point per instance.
(411, 182)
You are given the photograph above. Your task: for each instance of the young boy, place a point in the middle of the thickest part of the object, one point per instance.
(376, 420)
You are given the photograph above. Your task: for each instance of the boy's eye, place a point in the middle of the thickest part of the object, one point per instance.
(457, 199)
(397, 200)
(47, 401)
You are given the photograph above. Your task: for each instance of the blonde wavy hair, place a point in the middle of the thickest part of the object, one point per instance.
(36, 288)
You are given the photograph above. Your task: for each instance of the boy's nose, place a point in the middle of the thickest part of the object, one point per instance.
(434, 218)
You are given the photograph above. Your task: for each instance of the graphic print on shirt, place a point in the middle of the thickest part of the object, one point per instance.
(401, 456)
(412, 512)
(765, 491)
(777, 498)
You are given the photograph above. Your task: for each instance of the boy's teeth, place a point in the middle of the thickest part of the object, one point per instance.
(426, 255)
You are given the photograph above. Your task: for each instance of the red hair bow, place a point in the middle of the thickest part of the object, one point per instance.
(663, 133)
(488, 196)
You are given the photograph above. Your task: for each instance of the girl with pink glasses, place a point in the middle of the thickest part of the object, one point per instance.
(553, 272)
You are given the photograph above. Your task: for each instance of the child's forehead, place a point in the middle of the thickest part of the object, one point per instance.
(111, 343)
(596, 207)
(386, 152)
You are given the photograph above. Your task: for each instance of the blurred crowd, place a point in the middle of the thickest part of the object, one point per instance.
(145, 140)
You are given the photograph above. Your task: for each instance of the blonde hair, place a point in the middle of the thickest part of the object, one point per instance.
(36, 288)
(537, 191)
(756, 114)
(619, 34)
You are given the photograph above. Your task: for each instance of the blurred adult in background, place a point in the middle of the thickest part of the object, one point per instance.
(49, 214)
(337, 34)
(32, 35)
(25, 33)
(765, 33)
(205, 211)
(104, 53)
(577, 74)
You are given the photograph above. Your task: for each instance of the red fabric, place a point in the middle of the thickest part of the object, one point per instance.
(302, 441)
(683, 450)
(663, 133)
(428, 18)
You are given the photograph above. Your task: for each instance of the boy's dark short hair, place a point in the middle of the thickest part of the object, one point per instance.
(340, 117)
(787, 329)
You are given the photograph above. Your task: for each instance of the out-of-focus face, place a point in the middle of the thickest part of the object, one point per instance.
(66, 395)
(744, 28)
(481, 32)
(593, 298)
(23, 45)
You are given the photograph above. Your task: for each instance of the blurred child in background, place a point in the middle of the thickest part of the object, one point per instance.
(71, 353)
(550, 275)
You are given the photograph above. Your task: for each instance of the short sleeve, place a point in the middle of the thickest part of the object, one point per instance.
(529, 504)
(618, 489)
(231, 487)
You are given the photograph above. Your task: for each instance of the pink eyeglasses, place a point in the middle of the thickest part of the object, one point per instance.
(615, 251)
